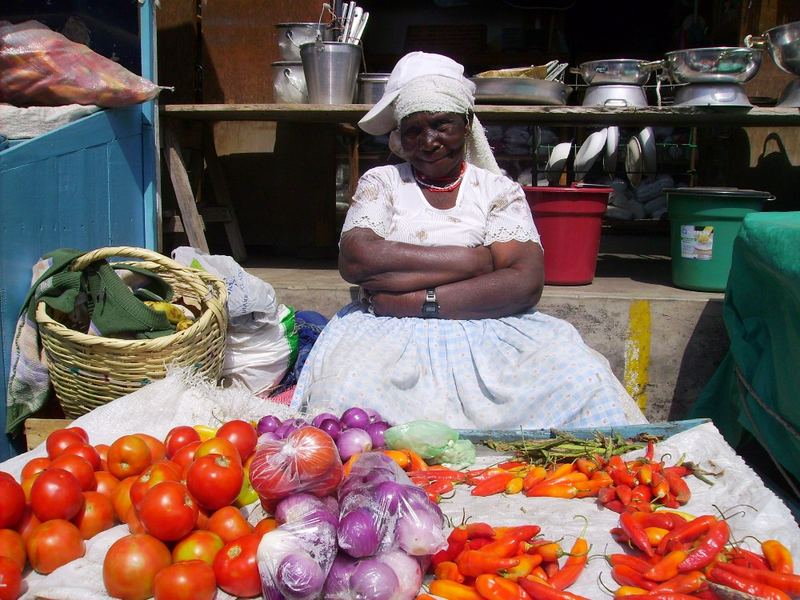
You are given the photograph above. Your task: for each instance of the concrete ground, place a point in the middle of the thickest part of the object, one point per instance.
(662, 342)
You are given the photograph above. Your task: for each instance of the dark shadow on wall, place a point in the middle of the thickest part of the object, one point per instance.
(704, 351)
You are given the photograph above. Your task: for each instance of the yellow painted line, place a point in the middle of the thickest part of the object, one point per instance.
(637, 352)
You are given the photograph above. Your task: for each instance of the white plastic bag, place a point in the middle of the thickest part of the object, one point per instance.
(262, 340)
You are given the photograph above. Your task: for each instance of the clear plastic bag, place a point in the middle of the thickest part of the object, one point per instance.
(305, 461)
(294, 559)
(40, 67)
(435, 442)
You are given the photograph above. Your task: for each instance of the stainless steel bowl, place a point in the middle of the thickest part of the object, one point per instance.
(520, 90)
(627, 71)
(371, 87)
(713, 65)
(783, 43)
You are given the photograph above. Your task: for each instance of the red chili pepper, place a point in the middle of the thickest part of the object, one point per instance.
(479, 530)
(663, 519)
(625, 575)
(437, 488)
(540, 591)
(678, 487)
(456, 542)
(687, 532)
(493, 485)
(472, 563)
(748, 586)
(650, 453)
(439, 475)
(512, 464)
(508, 544)
(684, 583)
(656, 595)
(645, 474)
(786, 582)
(624, 493)
(639, 564)
(477, 543)
(641, 494)
(569, 573)
(667, 567)
(745, 558)
(477, 476)
(636, 533)
(679, 470)
(778, 556)
(615, 505)
(708, 548)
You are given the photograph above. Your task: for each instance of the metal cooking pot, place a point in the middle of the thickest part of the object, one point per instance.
(292, 35)
(520, 90)
(371, 86)
(627, 71)
(783, 43)
(289, 82)
(712, 65)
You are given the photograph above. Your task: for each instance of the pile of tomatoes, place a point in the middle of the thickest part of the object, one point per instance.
(180, 498)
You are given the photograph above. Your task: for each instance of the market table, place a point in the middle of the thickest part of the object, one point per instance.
(179, 399)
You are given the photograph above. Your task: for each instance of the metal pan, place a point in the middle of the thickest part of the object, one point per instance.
(783, 43)
(713, 65)
(627, 71)
(520, 90)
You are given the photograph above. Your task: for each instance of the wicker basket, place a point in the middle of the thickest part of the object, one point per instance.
(88, 371)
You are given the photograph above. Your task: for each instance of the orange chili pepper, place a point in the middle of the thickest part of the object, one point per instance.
(549, 551)
(495, 587)
(568, 574)
(538, 573)
(667, 567)
(479, 529)
(571, 477)
(778, 556)
(401, 458)
(589, 488)
(512, 464)
(534, 476)
(603, 476)
(472, 563)
(655, 534)
(636, 563)
(559, 470)
(541, 591)
(507, 543)
(587, 466)
(645, 474)
(448, 570)
(553, 490)
(452, 590)
(684, 583)
(514, 486)
(425, 597)
(527, 563)
(625, 575)
(624, 591)
(416, 462)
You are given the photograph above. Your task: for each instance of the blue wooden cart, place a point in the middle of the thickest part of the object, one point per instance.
(88, 184)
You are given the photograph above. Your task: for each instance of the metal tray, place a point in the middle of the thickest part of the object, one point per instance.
(520, 90)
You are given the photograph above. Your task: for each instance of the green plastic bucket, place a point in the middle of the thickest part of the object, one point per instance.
(703, 225)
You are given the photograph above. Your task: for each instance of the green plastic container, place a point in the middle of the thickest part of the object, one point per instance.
(703, 224)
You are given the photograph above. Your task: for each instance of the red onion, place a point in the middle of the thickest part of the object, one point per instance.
(321, 417)
(375, 431)
(374, 415)
(268, 436)
(268, 423)
(299, 576)
(358, 533)
(373, 580)
(353, 441)
(355, 417)
(331, 426)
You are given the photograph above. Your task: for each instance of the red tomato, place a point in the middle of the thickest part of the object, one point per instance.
(229, 523)
(27, 523)
(189, 580)
(96, 515)
(80, 432)
(215, 480)
(128, 455)
(79, 467)
(198, 545)
(88, 452)
(158, 450)
(168, 512)
(34, 466)
(56, 494)
(178, 437)
(13, 546)
(185, 455)
(12, 500)
(163, 470)
(10, 579)
(220, 446)
(265, 525)
(102, 451)
(131, 564)
(133, 521)
(54, 543)
(241, 434)
(236, 569)
(61, 439)
(121, 498)
(106, 483)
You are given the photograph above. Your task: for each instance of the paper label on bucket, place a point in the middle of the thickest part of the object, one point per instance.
(697, 241)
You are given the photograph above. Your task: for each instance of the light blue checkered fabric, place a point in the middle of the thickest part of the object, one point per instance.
(529, 370)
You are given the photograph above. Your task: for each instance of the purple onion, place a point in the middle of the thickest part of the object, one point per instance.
(321, 417)
(389, 496)
(358, 533)
(299, 576)
(375, 431)
(337, 585)
(331, 426)
(373, 580)
(269, 436)
(268, 423)
(419, 533)
(296, 507)
(374, 415)
(355, 417)
(353, 441)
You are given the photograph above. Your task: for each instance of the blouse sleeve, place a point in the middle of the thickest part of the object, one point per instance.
(371, 207)
(510, 216)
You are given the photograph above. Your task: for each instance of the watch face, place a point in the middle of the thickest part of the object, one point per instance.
(430, 309)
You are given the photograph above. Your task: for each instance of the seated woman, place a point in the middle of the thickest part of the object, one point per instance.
(446, 252)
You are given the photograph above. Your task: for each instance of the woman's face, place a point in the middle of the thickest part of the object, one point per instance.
(434, 142)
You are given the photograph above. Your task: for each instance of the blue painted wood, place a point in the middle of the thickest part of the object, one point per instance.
(665, 430)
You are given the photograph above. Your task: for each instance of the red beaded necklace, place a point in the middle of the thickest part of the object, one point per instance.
(444, 188)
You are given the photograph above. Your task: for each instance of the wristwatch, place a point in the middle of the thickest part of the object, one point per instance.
(430, 308)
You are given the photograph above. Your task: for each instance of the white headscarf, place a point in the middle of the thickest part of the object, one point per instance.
(422, 82)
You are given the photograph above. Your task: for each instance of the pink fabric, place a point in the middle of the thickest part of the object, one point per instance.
(284, 398)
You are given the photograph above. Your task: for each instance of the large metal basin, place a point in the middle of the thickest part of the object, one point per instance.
(713, 65)
(783, 44)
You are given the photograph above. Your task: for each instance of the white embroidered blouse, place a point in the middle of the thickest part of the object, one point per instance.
(489, 208)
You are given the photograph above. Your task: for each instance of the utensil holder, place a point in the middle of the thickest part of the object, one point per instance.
(331, 70)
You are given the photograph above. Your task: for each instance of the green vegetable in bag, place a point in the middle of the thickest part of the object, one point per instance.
(435, 442)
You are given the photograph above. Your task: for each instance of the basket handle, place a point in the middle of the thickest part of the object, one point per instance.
(83, 261)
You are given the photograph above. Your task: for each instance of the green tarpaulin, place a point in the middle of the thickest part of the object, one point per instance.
(757, 386)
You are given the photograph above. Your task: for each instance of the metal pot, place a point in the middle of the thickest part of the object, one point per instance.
(712, 65)
(292, 35)
(520, 90)
(627, 71)
(371, 86)
(614, 96)
(289, 82)
(783, 43)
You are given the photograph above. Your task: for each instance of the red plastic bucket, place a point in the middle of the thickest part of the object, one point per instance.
(569, 220)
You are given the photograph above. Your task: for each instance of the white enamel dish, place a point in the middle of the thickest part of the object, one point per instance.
(633, 161)
(591, 148)
(648, 143)
(557, 161)
(612, 149)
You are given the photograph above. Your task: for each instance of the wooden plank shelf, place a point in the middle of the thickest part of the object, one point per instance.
(687, 116)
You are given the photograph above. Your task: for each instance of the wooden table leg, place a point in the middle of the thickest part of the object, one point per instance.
(192, 222)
